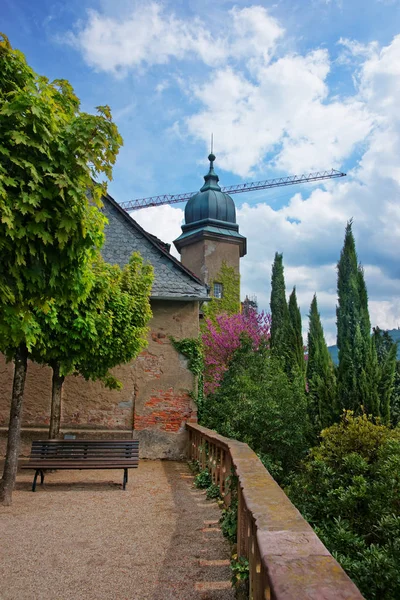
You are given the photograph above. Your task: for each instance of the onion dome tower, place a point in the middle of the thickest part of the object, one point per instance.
(210, 235)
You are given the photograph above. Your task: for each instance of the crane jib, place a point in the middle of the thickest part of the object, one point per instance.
(234, 189)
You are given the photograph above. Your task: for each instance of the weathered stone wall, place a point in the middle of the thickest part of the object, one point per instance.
(155, 400)
(204, 258)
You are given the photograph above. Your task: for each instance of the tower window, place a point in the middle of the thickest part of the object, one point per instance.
(218, 290)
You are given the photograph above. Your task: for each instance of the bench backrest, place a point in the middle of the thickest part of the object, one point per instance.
(85, 450)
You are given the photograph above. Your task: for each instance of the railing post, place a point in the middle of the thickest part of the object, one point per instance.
(242, 526)
(191, 442)
(202, 454)
(227, 479)
(221, 471)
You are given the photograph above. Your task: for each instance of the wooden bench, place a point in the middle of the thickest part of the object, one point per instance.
(83, 454)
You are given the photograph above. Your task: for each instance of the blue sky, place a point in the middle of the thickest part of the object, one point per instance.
(285, 86)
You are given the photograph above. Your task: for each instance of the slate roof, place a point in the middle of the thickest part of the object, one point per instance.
(124, 235)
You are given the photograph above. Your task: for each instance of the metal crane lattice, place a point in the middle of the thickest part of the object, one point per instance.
(234, 189)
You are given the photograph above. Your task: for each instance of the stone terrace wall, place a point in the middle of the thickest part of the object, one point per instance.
(155, 399)
(287, 561)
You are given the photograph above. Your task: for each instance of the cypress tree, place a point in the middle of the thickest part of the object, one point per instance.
(279, 311)
(358, 367)
(296, 345)
(321, 377)
(386, 350)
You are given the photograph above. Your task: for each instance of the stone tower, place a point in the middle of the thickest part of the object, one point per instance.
(210, 235)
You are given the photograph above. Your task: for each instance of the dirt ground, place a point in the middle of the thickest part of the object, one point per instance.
(81, 537)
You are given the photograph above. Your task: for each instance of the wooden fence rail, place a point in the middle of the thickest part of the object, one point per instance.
(287, 561)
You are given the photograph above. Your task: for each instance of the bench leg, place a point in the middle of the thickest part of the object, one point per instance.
(125, 479)
(41, 477)
(34, 480)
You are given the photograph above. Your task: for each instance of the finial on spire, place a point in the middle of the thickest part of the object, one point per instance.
(211, 156)
(211, 179)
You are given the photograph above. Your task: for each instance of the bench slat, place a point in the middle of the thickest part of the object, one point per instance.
(82, 457)
(108, 445)
(35, 442)
(76, 465)
(87, 450)
(103, 461)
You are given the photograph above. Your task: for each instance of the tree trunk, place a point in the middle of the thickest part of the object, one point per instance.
(14, 429)
(56, 394)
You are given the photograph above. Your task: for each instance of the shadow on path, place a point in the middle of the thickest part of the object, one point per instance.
(181, 573)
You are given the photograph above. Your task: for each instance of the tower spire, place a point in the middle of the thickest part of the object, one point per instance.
(211, 179)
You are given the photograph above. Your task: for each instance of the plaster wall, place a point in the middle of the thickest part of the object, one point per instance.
(205, 257)
(153, 405)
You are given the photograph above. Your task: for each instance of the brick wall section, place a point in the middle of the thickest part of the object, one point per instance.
(165, 410)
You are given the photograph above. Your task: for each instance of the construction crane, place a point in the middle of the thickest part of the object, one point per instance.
(234, 189)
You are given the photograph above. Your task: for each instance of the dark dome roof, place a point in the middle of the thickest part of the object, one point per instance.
(210, 202)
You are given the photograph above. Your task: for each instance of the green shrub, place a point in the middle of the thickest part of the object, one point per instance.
(349, 490)
(259, 404)
(194, 466)
(228, 521)
(203, 480)
(213, 492)
(240, 569)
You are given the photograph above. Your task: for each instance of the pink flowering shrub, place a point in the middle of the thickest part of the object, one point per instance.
(222, 338)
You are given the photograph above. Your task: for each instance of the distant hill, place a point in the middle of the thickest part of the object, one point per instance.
(394, 334)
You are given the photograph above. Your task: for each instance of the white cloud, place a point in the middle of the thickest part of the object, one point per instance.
(146, 37)
(162, 86)
(123, 112)
(282, 108)
(162, 221)
(152, 35)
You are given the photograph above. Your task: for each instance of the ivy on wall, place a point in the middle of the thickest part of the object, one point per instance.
(230, 301)
(192, 349)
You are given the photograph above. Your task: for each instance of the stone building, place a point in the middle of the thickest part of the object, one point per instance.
(156, 399)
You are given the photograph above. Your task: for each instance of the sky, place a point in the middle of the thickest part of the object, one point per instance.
(286, 87)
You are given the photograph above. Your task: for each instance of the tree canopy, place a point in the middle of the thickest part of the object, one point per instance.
(321, 377)
(49, 230)
(295, 341)
(104, 330)
(50, 225)
(279, 310)
(358, 372)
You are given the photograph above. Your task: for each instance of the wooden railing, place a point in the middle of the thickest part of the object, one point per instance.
(287, 561)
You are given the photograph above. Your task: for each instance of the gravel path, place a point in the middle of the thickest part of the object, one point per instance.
(81, 537)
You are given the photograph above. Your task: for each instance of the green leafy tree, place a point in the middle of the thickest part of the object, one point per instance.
(321, 377)
(257, 403)
(395, 398)
(296, 346)
(280, 323)
(106, 329)
(386, 351)
(229, 304)
(49, 231)
(358, 375)
(348, 489)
